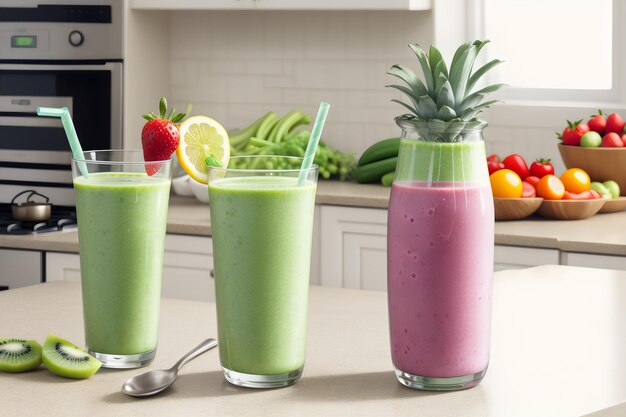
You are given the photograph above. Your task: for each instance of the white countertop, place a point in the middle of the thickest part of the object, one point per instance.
(557, 350)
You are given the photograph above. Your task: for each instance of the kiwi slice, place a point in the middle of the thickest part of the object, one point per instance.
(66, 359)
(18, 355)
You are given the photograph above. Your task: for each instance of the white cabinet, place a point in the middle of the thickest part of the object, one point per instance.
(62, 266)
(281, 5)
(19, 268)
(354, 247)
(518, 257)
(594, 261)
(187, 265)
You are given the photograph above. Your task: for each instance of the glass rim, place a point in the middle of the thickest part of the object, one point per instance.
(314, 167)
(122, 151)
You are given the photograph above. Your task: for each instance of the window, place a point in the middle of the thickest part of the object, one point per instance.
(554, 49)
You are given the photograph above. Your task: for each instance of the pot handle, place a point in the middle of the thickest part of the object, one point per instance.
(32, 193)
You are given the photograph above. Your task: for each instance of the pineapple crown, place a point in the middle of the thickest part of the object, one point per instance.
(444, 103)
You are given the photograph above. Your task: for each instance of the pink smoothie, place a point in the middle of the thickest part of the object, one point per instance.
(440, 251)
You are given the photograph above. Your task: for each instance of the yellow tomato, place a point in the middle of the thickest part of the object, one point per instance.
(576, 180)
(506, 184)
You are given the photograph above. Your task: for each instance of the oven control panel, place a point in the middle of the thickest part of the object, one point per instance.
(40, 31)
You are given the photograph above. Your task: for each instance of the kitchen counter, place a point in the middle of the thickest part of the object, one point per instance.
(557, 349)
(600, 234)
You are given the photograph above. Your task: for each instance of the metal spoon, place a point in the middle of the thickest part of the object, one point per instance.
(153, 382)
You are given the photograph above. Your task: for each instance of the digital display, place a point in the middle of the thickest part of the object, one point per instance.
(24, 41)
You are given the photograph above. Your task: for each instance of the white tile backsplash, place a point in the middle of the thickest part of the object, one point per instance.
(236, 66)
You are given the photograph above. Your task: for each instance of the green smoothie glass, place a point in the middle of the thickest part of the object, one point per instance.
(262, 225)
(122, 216)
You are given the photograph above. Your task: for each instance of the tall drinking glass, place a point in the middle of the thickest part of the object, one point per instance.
(262, 224)
(122, 216)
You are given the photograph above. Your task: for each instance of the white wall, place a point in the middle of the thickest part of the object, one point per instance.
(235, 66)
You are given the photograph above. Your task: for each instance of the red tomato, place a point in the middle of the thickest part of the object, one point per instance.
(516, 163)
(573, 132)
(612, 140)
(585, 195)
(541, 168)
(615, 123)
(528, 190)
(532, 180)
(493, 157)
(494, 166)
(597, 123)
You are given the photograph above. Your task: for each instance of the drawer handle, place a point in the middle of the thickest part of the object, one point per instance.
(212, 273)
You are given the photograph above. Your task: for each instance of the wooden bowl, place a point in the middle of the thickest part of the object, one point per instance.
(570, 209)
(515, 208)
(614, 205)
(602, 164)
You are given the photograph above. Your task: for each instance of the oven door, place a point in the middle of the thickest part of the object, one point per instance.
(34, 151)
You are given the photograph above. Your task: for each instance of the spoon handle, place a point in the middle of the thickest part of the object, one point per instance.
(195, 352)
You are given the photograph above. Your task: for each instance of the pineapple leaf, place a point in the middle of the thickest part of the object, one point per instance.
(460, 73)
(470, 101)
(423, 60)
(409, 77)
(407, 91)
(446, 113)
(480, 72)
(437, 63)
(411, 109)
(445, 96)
(490, 89)
(426, 108)
(473, 111)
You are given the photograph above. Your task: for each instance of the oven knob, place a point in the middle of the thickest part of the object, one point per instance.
(76, 38)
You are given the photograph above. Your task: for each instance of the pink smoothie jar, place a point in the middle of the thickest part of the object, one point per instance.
(440, 258)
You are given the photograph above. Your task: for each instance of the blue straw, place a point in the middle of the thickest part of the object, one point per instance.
(70, 132)
(314, 140)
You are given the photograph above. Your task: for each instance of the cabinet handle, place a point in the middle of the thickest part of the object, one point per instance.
(212, 273)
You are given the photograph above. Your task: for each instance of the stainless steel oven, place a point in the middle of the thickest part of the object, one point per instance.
(57, 53)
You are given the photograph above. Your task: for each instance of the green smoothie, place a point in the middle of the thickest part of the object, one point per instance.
(262, 230)
(121, 230)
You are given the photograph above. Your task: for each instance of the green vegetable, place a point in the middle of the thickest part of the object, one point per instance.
(243, 135)
(600, 188)
(374, 171)
(383, 149)
(612, 187)
(387, 179)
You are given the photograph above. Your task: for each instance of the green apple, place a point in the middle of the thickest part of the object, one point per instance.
(599, 187)
(591, 139)
(613, 188)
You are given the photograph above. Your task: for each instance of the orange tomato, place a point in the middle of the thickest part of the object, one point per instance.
(550, 187)
(506, 184)
(576, 180)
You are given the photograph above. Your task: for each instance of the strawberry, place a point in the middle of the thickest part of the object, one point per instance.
(615, 123)
(160, 136)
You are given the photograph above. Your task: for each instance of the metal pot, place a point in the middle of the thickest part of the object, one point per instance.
(31, 211)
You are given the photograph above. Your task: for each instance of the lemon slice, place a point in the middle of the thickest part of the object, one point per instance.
(200, 137)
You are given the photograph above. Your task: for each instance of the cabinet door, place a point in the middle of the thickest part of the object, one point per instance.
(194, 4)
(19, 268)
(62, 266)
(518, 257)
(353, 248)
(589, 260)
(344, 4)
(187, 265)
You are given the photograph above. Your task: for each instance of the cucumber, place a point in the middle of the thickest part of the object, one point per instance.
(374, 171)
(384, 149)
(387, 179)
